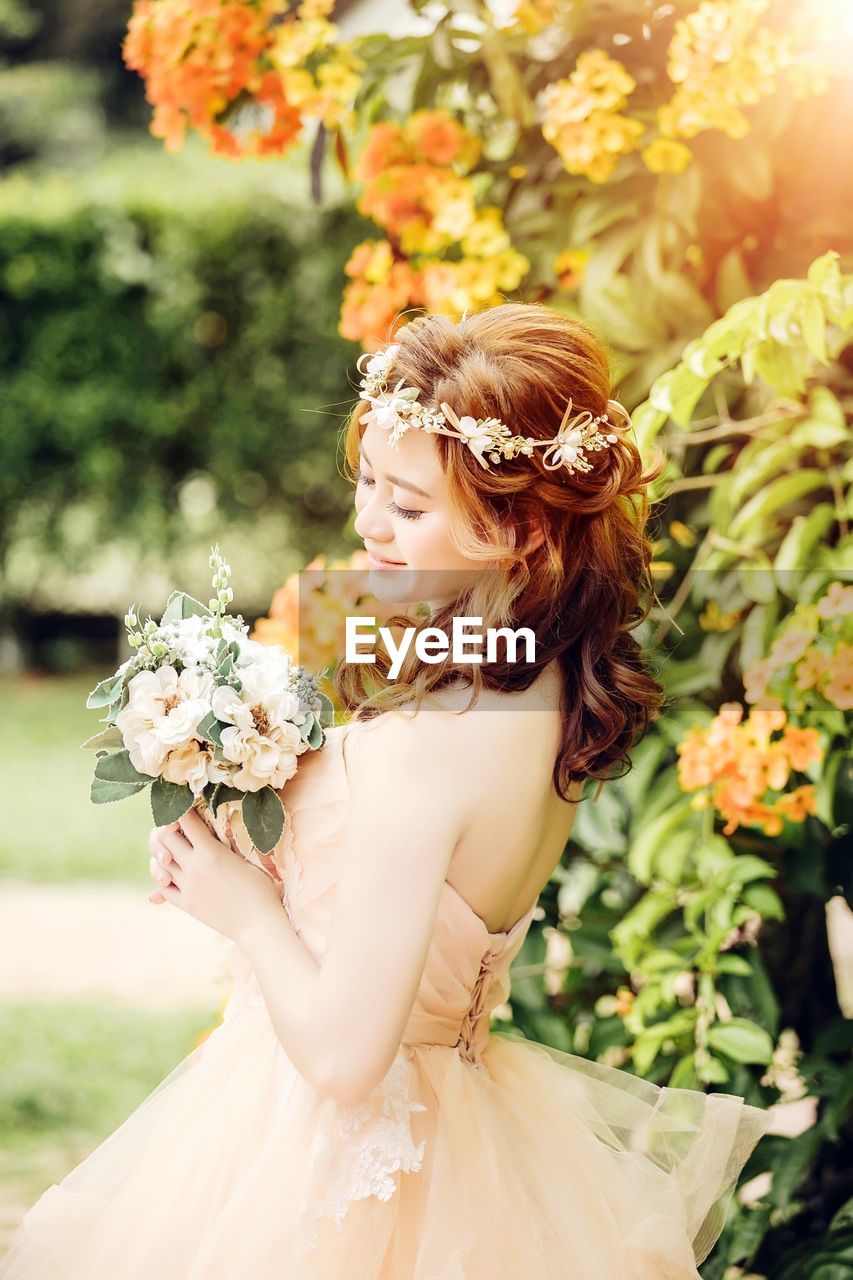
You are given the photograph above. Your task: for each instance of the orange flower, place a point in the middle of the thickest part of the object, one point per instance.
(790, 646)
(811, 670)
(416, 187)
(837, 603)
(803, 747)
(207, 65)
(738, 765)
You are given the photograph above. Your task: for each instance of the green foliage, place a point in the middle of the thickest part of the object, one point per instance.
(145, 344)
(663, 255)
(686, 961)
(50, 1115)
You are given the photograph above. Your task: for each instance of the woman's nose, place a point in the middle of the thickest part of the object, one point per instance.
(373, 522)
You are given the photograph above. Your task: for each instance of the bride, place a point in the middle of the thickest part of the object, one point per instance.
(354, 1115)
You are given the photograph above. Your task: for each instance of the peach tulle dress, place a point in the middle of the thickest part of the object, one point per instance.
(480, 1156)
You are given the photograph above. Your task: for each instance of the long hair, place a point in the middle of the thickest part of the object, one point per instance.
(581, 590)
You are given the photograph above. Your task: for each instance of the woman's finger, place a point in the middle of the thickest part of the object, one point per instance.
(176, 844)
(171, 893)
(158, 872)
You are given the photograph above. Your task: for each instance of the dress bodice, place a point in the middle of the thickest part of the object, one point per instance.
(466, 974)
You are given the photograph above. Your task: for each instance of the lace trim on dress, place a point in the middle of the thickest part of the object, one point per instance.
(361, 1150)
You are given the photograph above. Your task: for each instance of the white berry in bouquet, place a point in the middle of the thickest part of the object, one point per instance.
(208, 718)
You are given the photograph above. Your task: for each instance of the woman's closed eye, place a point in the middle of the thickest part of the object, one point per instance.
(393, 507)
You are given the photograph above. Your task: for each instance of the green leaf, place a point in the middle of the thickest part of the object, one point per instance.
(746, 867)
(327, 710)
(107, 738)
(813, 321)
(210, 729)
(825, 790)
(737, 965)
(649, 1042)
(652, 837)
(106, 792)
(263, 815)
(684, 1074)
(169, 801)
(805, 534)
(116, 766)
(741, 1040)
(224, 794)
(677, 393)
(180, 606)
(712, 1072)
(105, 692)
(778, 495)
(765, 901)
(824, 268)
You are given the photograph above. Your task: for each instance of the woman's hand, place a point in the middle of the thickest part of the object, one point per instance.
(203, 876)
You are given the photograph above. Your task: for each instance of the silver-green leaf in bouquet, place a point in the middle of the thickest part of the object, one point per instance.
(210, 719)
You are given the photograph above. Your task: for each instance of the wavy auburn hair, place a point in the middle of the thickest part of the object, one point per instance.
(580, 591)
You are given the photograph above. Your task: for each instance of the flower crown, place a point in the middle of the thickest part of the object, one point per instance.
(399, 411)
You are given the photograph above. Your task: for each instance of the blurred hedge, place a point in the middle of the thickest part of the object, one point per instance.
(163, 358)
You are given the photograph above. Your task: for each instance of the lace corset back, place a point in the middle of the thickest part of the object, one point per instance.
(467, 969)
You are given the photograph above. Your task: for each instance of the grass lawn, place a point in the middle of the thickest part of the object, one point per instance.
(52, 831)
(71, 1074)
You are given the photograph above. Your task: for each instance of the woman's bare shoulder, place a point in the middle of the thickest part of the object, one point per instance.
(499, 729)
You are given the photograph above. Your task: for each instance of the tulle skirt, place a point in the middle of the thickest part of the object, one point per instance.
(531, 1163)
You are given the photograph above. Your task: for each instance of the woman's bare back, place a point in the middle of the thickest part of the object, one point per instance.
(516, 825)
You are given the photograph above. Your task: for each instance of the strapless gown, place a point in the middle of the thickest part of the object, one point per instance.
(481, 1155)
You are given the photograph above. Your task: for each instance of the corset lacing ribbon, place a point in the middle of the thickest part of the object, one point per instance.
(468, 1044)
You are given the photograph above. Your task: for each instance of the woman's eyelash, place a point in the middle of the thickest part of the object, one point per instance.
(392, 506)
(404, 512)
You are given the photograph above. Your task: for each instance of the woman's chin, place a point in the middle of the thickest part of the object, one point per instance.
(393, 586)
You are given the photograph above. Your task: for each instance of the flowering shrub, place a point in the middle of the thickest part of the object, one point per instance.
(737, 762)
(583, 116)
(416, 187)
(489, 168)
(243, 73)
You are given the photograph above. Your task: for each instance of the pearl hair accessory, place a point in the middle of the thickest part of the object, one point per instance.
(399, 411)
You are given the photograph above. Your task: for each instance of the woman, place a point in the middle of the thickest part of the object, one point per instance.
(353, 1116)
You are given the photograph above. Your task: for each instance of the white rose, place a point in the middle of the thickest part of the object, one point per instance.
(163, 710)
(187, 765)
(265, 760)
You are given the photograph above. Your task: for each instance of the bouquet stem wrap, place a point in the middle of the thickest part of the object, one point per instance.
(227, 823)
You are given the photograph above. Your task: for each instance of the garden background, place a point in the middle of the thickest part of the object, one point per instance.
(186, 283)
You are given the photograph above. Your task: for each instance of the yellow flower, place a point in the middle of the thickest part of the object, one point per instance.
(713, 619)
(838, 688)
(680, 533)
(665, 155)
(299, 86)
(450, 200)
(570, 266)
(721, 59)
(581, 120)
(296, 41)
(486, 236)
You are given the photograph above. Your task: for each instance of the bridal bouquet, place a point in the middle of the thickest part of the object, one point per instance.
(208, 718)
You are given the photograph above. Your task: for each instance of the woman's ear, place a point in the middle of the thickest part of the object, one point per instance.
(534, 539)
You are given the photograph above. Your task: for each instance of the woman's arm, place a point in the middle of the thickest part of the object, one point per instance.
(341, 1020)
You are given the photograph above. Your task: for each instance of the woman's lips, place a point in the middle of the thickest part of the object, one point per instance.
(376, 562)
